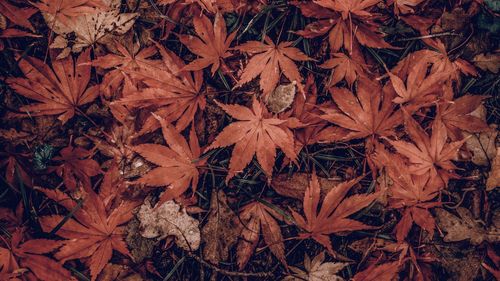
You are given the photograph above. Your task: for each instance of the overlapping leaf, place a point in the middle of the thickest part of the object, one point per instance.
(58, 91)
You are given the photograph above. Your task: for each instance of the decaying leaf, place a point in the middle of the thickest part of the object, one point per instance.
(88, 28)
(221, 231)
(482, 146)
(169, 219)
(295, 185)
(466, 227)
(488, 62)
(255, 218)
(317, 270)
(117, 272)
(494, 176)
(281, 98)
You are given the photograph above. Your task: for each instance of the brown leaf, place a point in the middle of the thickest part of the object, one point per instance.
(255, 218)
(281, 98)
(493, 180)
(221, 231)
(116, 272)
(295, 186)
(465, 227)
(169, 219)
(488, 62)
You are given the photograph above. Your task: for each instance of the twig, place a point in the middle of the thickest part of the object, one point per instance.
(448, 33)
(228, 272)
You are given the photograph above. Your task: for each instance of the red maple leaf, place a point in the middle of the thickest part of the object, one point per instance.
(93, 233)
(333, 217)
(178, 163)
(255, 132)
(58, 91)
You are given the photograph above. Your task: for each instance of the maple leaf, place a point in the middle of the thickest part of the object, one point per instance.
(307, 112)
(29, 254)
(176, 95)
(77, 165)
(381, 272)
(456, 116)
(257, 217)
(94, 232)
(124, 61)
(17, 15)
(14, 164)
(255, 132)
(426, 154)
(59, 91)
(348, 23)
(369, 114)
(411, 194)
(178, 163)
(333, 215)
(267, 62)
(212, 45)
(419, 88)
(344, 68)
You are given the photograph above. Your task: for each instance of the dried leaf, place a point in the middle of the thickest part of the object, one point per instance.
(482, 146)
(317, 270)
(169, 219)
(465, 227)
(295, 186)
(488, 62)
(281, 98)
(221, 232)
(493, 180)
(89, 28)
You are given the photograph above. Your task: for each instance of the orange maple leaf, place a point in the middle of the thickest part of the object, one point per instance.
(178, 163)
(94, 232)
(348, 22)
(173, 94)
(411, 194)
(429, 154)
(212, 45)
(59, 91)
(369, 114)
(29, 255)
(456, 116)
(255, 132)
(257, 217)
(419, 88)
(123, 63)
(267, 62)
(381, 272)
(77, 164)
(333, 215)
(17, 15)
(344, 68)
